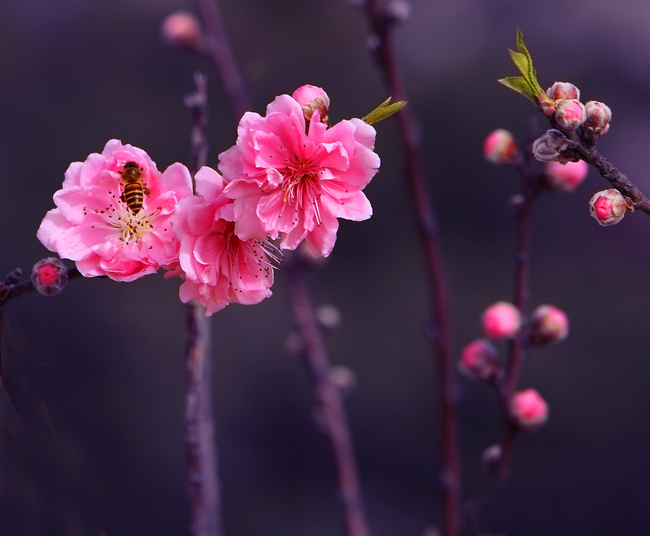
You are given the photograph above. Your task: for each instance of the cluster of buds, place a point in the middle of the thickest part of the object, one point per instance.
(562, 102)
(588, 122)
(608, 207)
(479, 359)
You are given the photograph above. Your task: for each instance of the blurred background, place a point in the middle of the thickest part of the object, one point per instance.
(96, 444)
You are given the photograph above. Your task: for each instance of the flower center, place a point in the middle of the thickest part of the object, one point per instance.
(302, 188)
(117, 215)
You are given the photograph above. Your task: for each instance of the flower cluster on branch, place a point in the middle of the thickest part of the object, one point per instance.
(289, 176)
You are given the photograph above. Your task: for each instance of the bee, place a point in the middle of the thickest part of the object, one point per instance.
(134, 189)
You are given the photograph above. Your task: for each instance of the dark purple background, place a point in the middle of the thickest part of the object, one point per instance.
(99, 371)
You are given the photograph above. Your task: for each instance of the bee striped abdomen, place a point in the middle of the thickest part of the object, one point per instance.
(133, 196)
(134, 191)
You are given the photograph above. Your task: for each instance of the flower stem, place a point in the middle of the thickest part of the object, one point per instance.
(202, 481)
(427, 226)
(219, 51)
(329, 401)
(517, 349)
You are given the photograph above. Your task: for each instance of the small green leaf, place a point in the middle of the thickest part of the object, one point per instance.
(384, 110)
(520, 85)
(524, 63)
(521, 61)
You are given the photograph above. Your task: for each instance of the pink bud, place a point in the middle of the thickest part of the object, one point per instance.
(609, 206)
(478, 360)
(563, 90)
(550, 146)
(49, 276)
(597, 122)
(548, 324)
(566, 177)
(182, 30)
(501, 148)
(501, 320)
(528, 410)
(312, 99)
(569, 114)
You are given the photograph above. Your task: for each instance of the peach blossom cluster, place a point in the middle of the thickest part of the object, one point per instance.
(289, 176)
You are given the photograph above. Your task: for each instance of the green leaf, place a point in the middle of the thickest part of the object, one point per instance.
(521, 61)
(384, 110)
(520, 85)
(526, 84)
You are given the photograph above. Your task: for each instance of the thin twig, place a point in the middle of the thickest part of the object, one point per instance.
(203, 487)
(328, 396)
(200, 444)
(517, 348)
(219, 51)
(427, 226)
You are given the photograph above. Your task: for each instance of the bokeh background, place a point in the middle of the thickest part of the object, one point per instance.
(96, 444)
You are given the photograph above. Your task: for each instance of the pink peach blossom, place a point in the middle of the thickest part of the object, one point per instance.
(95, 228)
(219, 268)
(294, 183)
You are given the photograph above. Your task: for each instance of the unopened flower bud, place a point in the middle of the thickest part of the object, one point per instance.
(597, 121)
(501, 320)
(313, 99)
(609, 206)
(397, 11)
(563, 90)
(548, 324)
(566, 177)
(491, 457)
(182, 30)
(550, 146)
(478, 360)
(528, 410)
(501, 148)
(329, 317)
(343, 378)
(569, 114)
(49, 276)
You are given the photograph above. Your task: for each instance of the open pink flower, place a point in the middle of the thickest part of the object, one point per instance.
(294, 183)
(219, 268)
(93, 225)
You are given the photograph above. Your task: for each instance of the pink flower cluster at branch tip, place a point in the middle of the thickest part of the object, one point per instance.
(501, 320)
(93, 225)
(528, 410)
(292, 180)
(219, 268)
